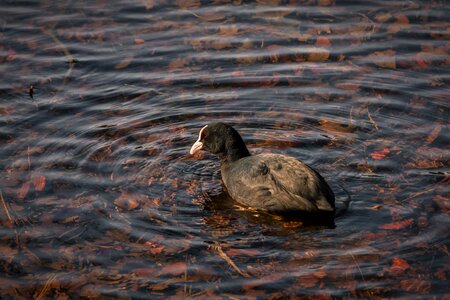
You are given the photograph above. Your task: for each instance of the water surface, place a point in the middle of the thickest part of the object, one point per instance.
(100, 102)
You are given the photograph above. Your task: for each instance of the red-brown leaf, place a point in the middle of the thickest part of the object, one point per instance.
(144, 272)
(149, 4)
(23, 191)
(228, 30)
(156, 250)
(39, 183)
(129, 201)
(398, 225)
(415, 285)
(399, 263)
(317, 54)
(249, 252)
(174, 269)
(384, 59)
(434, 134)
(124, 63)
(421, 60)
(178, 63)
(378, 155)
(322, 41)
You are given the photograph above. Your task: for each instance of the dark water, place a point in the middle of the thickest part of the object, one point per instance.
(101, 199)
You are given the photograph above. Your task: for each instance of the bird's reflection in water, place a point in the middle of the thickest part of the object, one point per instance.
(226, 216)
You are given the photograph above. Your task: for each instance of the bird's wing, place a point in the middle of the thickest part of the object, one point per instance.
(275, 183)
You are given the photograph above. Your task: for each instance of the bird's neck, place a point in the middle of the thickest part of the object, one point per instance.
(234, 154)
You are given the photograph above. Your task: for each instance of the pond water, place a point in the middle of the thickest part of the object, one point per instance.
(101, 101)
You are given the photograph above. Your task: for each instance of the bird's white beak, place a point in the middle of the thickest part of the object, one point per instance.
(197, 145)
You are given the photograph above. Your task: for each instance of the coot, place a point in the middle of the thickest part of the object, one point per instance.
(268, 182)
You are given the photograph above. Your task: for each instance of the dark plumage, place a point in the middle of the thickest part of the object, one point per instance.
(269, 182)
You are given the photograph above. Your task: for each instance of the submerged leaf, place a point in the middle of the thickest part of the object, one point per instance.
(188, 4)
(23, 191)
(149, 4)
(378, 155)
(318, 54)
(434, 134)
(415, 285)
(174, 269)
(322, 41)
(39, 183)
(125, 62)
(129, 201)
(228, 30)
(400, 263)
(398, 225)
(248, 252)
(384, 59)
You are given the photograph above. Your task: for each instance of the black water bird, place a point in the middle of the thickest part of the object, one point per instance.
(269, 182)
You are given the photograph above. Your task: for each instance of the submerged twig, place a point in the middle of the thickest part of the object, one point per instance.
(10, 219)
(70, 59)
(45, 288)
(6, 208)
(371, 120)
(28, 155)
(230, 262)
(357, 265)
(418, 194)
